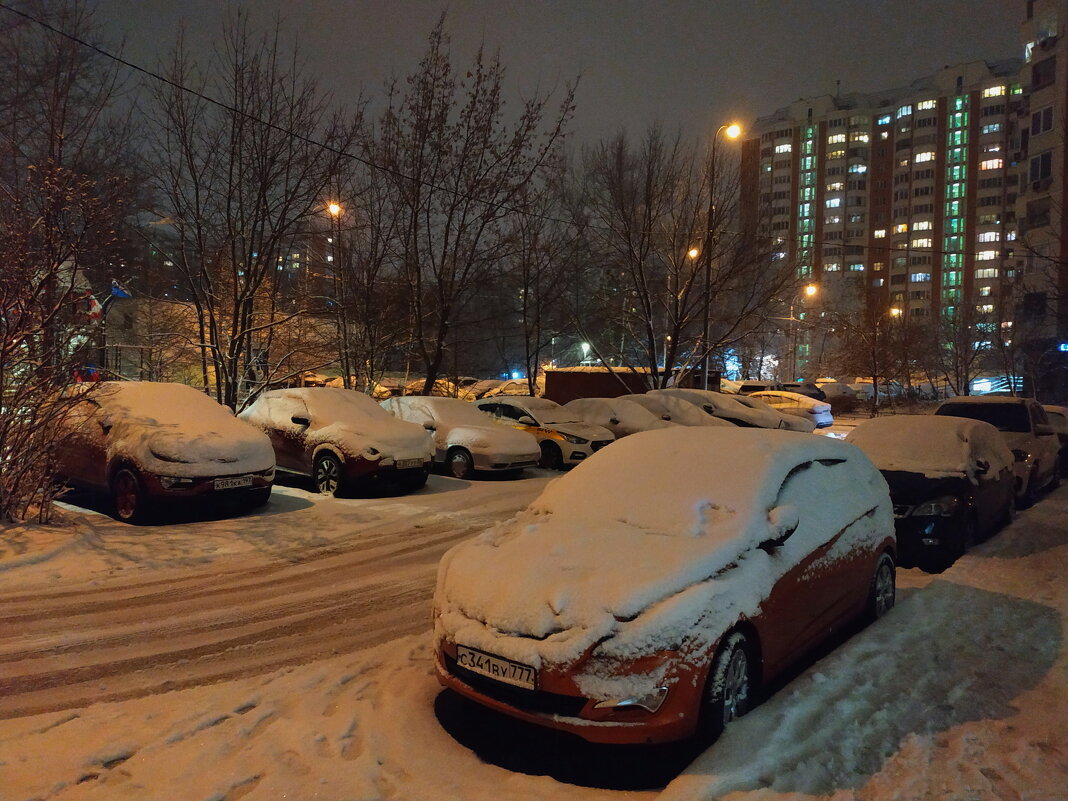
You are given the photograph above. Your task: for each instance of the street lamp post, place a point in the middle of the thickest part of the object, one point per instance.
(733, 132)
(334, 210)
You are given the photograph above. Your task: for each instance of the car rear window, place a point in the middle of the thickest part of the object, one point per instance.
(1010, 417)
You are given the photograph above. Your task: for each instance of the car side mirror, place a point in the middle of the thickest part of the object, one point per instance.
(526, 420)
(982, 467)
(614, 421)
(784, 521)
(429, 425)
(1043, 430)
(105, 425)
(300, 421)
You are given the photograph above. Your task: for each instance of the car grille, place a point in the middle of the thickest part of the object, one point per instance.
(598, 444)
(537, 701)
(902, 509)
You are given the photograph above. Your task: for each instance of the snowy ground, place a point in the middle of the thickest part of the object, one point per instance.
(285, 655)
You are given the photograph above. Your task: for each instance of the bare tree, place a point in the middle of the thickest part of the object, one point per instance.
(459, 167)
(680, 277)
(61, 204)
(243, 181)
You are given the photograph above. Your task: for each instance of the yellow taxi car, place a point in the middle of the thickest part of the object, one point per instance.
(563, 438)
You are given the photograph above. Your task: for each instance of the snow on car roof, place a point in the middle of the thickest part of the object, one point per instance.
(630, 415)
(724, 495)
(331, 403)
(451, 410)
(161, 403)
(931, 445)
(797, 397)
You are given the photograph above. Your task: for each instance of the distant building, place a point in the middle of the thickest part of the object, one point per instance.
(944, 196)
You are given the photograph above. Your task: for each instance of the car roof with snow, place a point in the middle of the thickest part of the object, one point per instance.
(932, 445)
(796, 397)
(331, 403)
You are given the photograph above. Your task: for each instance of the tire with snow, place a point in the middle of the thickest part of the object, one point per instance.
(459, 463)
(128, 496)
(730, 690)
(883, 591)
(551, 458)
(327, 474)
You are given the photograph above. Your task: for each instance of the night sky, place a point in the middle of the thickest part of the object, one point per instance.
(687, 64)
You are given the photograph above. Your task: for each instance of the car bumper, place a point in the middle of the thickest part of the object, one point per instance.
(505, 461)
(210, 488)
(375, 471)
(558, 704)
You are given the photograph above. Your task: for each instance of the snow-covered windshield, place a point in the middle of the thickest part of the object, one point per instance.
(556, 416)
(450, 410)
(165, 404)
(328, 405)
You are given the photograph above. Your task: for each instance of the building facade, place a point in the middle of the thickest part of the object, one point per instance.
(941, 200)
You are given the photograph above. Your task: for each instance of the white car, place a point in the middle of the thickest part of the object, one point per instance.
(741, 410)
(676, 410)
(621, 417)
(819, 412)
(564, 438)
(465, 440)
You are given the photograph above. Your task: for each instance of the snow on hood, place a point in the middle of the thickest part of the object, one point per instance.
(174, 429)
(606, 542)
(629, 417)
(728, 406)
(679, 410)
(934, 446)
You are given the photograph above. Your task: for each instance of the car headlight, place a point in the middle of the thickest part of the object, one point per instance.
(575, 440)
(175, 482)
(946, 506)
(1020, 454)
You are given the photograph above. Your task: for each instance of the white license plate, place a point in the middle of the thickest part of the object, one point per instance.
(404, 464)
(496, 667)
(233, 483)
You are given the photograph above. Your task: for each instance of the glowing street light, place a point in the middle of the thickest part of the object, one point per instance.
(895, 311)
(734, 130)
(811, 290)
(334, 209)
(693, 253)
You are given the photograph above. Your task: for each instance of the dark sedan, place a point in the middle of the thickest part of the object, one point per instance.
(951, 481)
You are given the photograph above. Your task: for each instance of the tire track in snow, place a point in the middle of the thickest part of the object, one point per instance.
(72, 647)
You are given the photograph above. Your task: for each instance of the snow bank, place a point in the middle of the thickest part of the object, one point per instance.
(175, 430)
(931, 445)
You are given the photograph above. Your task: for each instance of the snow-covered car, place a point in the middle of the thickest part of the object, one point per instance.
(515, 386)
(741, 410)
(1058, 418)
(753, 385)
(465, 439)
(951, 479)
(804, 388)
(341, 439)
(442, 388)
(564, 438)
(636, 605)
(675, 410)
(1026, 430)
(791, 422)
(803, 406)
(151, 444)
(621, 417)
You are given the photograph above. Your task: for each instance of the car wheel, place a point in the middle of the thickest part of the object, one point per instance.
(883, 590)
(460, 463)
(1055, 479)
(551, 458)
(128, 496)
(1030, 494)
(328, 479)
(1010, 511)
(731, 689)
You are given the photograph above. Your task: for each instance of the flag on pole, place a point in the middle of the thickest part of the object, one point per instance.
(118, 290)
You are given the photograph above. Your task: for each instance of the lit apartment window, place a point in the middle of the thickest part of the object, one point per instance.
(986, 255)
(984, 291)
(922, 225)
(901, 228)
(836, 186)
(880, 233)
(784, 148)
(994, 127)
(986, 272)
(833, 220)
(919, 278)
(832, 267)
(994, 91)
(836, 139)
(921, 243)
(859, 136)
(927, 155)
(884, 135)
(985, 308)
(856, 268)
(904, 162)
(925, 105)
(989, 236)
(858, 169)
(836, 154)
(884, 120)
(992, 164)
(834, 202)
(904, 111)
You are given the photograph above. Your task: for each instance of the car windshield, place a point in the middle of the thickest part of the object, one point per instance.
(329, 405)
(554, 416)
(1009, 417)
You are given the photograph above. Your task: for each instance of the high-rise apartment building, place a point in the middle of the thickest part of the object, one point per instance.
(940, 200)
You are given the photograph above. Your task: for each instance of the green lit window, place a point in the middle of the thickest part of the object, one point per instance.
(951, 278)
(958, 138)
(957, 155)
(953, 243)
(955, 225)
(955, 190)
(956, 172)
(805, 210)
(807, 148)
(810, 132)
(808, 179)
(958, 119)
(805, 226)
(1017, 89)
(804, 270)
(953, 208)
(808, 193)
(960, 103)
(808, 162)
(953, 261)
